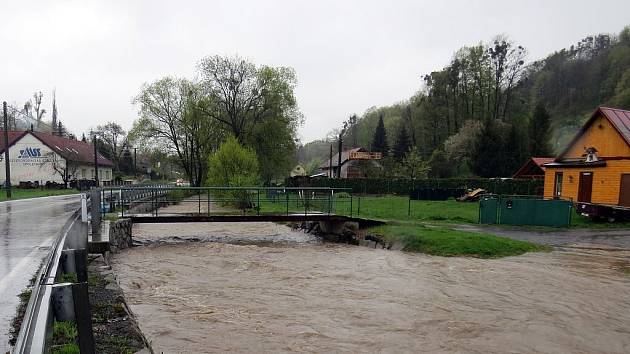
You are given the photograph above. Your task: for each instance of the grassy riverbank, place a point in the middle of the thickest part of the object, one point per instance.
(440, 241)
(34, 193)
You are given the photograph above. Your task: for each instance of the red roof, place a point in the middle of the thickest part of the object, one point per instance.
(619, 118)
(71, 150)
(13, 137)
(533, 168)
(540, 161)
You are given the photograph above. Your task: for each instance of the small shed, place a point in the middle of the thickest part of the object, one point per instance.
(533, 169)
(298, 171)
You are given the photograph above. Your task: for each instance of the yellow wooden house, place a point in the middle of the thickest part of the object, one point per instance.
(595, 166)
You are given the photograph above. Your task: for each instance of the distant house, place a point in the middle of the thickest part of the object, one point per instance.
(595, 166)
(351, 161)
(533, 169)
(42, 157)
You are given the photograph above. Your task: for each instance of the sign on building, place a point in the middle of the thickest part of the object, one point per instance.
(364, 155)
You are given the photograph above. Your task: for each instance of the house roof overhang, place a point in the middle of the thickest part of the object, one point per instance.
(576, 164)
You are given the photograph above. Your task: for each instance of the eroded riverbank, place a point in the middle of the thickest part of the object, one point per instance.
(307, 297)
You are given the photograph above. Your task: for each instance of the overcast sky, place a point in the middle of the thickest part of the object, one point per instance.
(348, 55)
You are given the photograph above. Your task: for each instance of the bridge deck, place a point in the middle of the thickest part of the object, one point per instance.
(179, 218)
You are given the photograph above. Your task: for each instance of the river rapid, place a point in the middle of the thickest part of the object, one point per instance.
(263, 287)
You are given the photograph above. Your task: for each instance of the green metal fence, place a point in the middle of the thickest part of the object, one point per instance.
(524, 210)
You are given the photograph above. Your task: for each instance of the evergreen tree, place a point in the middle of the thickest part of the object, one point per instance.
(379, 141)
(403, 143)
(515, 151)
(539, 130)
(489, 157)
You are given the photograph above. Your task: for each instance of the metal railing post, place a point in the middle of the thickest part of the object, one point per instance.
(258, 202)
(305, 205)
(286, 193)
(199, 202)
(208, 201)
(358, 206)
(350, 205)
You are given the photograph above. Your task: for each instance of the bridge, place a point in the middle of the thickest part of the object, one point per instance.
(172, 204)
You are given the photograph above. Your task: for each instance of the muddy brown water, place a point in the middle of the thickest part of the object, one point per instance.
(298, 295)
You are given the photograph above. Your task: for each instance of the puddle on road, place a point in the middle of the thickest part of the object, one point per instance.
(301, 296)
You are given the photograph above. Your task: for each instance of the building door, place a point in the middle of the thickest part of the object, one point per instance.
(624, 190)
(586, 187)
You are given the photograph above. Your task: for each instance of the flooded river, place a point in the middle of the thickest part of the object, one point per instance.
(298, 295)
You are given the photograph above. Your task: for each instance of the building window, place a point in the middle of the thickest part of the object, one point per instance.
(557, 190)
(83, 173)
(92, 174)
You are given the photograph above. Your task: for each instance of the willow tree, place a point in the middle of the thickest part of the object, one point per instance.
(257, 106)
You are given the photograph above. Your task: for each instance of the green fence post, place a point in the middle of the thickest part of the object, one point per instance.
(350, 205)
(305, 205)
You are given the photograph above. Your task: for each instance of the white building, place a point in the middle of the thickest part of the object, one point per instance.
(42, 157)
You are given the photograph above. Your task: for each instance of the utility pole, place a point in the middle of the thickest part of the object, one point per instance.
(7, 164)
(135, 163)
(94, 141)
(339, 157)
(330, 170)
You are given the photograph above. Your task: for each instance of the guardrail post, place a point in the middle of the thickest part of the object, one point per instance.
(84, 209)
(63, 302)
(80, 264)
(95, 210)
(83, 317)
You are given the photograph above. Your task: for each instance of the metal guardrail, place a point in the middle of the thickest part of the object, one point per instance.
(250, 200)
(51, 300)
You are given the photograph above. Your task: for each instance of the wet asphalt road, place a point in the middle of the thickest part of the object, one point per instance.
(27, 230)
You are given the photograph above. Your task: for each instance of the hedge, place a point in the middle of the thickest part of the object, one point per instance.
(404, 186)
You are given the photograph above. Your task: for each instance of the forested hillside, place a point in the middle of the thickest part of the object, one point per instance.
(490, 109)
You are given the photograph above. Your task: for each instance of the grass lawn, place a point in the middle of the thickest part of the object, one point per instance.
(387, 207)
(396, 208)
(34, 193)
(440, 241)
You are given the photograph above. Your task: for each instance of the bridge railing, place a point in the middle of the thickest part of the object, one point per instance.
(173, 200)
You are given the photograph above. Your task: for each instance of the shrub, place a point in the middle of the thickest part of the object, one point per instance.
(233, 165)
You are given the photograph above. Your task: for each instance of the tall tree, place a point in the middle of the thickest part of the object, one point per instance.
(172, 121)
(54, 110)
(114, 139)
(539, 131)
(256, 105)
(489, 155)
(402, 144)
(379, 141)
